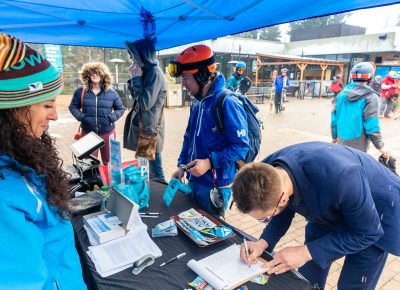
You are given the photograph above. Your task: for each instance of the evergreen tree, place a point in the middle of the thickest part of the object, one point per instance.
(319, 21)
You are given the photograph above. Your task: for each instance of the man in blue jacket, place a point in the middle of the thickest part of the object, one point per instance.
(208, 155)
(281, 85)
(351, 203)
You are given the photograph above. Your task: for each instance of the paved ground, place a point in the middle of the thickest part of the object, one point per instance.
(303, 120)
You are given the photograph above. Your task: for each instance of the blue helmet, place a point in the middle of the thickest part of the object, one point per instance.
(240, 64)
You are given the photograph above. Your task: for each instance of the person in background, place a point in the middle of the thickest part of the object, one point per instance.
(100, 106)
(233, 82)
(209, 156)
(350, 201)
(37, 245)
(388, 95)
(148, 88)
(336, 85)
(376, 84)
(355, 114)
(281, 85)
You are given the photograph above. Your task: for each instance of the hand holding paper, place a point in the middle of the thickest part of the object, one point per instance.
(287, 259)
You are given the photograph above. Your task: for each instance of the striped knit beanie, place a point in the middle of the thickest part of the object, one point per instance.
(26, 77)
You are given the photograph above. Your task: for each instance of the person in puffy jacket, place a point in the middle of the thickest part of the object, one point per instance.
(37, 247)
(208, 156)
(99, 107)
(355, 114)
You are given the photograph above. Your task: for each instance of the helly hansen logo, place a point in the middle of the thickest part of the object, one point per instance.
(241, 133)
(33, 87)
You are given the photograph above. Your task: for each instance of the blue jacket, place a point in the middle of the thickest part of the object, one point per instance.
(37, 248)
(355, 117)
(99, 112)
(279, 83)
(202, 138)
(233, 82)
(344, 189)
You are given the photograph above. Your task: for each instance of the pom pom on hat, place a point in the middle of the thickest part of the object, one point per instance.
(26, 77)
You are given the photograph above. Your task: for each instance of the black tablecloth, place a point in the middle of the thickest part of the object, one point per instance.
(175, 275)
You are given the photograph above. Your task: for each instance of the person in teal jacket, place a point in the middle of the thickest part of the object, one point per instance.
(355, 115)
(37, 246)
(233, 82)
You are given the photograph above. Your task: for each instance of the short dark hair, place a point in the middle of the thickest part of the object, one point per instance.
(256, 187)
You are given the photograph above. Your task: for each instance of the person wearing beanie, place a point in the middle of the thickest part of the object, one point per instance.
(37, 241)
(96, 105)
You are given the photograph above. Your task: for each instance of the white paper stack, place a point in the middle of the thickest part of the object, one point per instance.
(120, 254)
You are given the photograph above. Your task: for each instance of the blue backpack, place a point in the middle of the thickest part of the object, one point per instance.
(254, 126)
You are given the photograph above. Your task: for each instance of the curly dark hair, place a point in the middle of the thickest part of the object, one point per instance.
(256, 187)
(38, 153)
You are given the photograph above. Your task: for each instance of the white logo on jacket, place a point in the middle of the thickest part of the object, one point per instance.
(241, 133)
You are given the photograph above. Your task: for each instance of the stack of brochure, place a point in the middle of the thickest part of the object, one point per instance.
(102, 227)
(165, 229)
(122, 253)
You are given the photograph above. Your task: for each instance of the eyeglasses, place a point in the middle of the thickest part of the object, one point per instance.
(269, 218)
(240, 69)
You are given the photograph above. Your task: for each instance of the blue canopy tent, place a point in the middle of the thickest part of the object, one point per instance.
(109, 23)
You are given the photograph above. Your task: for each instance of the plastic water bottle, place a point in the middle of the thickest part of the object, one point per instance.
(105, 195)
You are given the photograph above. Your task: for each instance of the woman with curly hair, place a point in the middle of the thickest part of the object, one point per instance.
(96, 105)
(37, 242)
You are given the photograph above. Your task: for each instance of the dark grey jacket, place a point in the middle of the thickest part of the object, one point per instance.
(148, 92)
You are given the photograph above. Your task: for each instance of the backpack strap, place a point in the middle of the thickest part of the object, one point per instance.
(219, 110)
(82, 95)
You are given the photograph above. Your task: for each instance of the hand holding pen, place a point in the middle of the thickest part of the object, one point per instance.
(255, 250)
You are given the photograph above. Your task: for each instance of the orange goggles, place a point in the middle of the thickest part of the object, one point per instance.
(175, 68)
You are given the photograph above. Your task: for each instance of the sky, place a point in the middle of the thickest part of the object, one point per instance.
(375, 20)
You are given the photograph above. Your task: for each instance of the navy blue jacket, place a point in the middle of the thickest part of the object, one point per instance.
(99, 112)
(343, 189)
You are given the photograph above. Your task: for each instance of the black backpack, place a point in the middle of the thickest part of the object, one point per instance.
(254, 126)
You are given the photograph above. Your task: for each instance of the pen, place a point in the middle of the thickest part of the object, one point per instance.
(150, 213)
(149, 216)
(173, 259)
(246, 250)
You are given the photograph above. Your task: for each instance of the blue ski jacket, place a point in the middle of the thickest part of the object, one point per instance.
(37, 247)
(203, 140)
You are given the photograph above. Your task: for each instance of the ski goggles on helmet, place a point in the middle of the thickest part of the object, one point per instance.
(175, 68)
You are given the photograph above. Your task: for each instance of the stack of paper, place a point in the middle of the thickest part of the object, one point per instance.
(165, 229)
(120, 254)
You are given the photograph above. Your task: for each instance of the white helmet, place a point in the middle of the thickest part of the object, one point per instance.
(392, 74)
